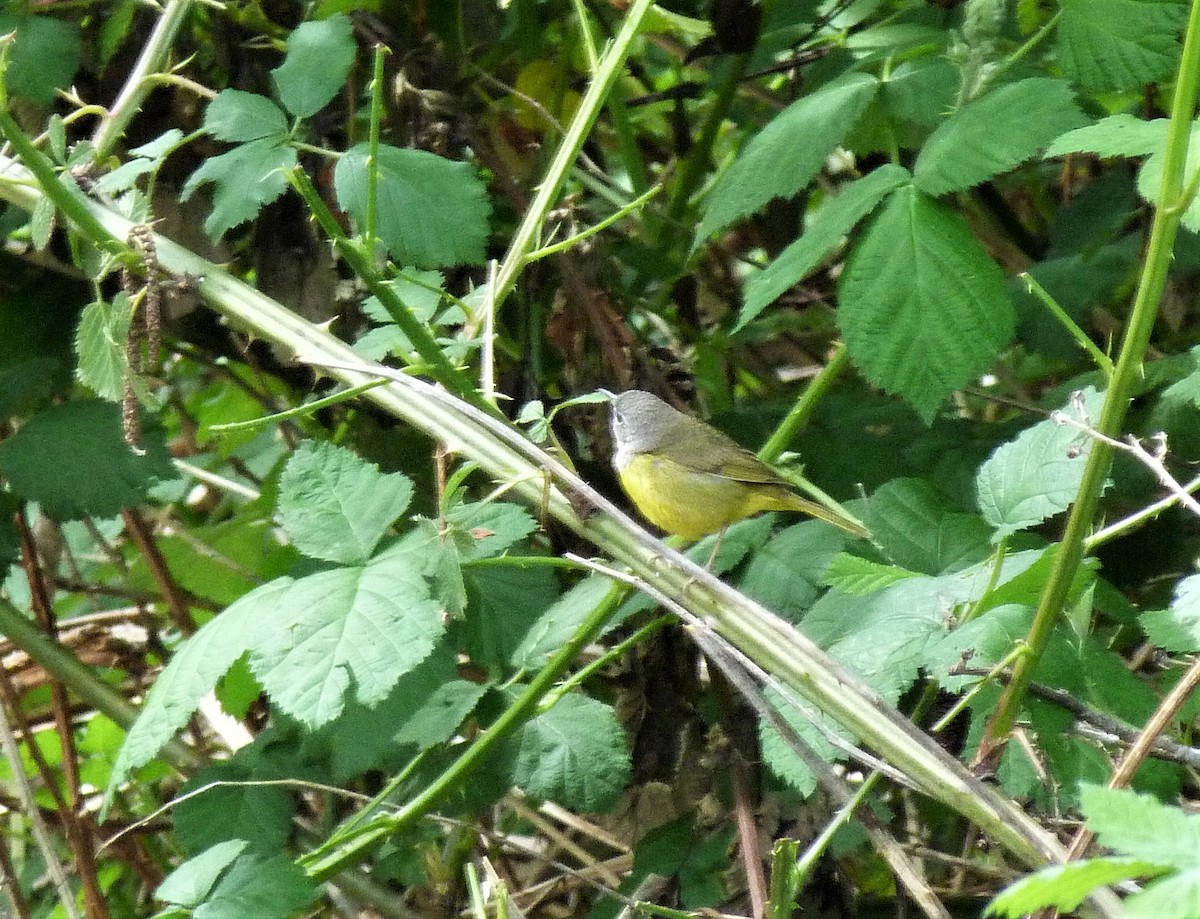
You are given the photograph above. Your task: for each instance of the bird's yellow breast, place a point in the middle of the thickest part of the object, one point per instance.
(684, 501)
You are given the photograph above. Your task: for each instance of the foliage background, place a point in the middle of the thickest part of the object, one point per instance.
(259, 639)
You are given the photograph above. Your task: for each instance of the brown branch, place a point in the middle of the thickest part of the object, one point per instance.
(176, 597)
(79, 840)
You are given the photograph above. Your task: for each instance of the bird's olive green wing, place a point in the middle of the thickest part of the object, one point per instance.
(705, 449)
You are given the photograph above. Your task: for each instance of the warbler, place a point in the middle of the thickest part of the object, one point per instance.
(688, 478)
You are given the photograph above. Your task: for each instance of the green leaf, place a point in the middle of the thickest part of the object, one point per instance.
(858, 577)
(431, 211)
(785, 574)
(24, 382)
(833, 221)
(1036, 476)
(786, 155)
(1064, 887)
(418, 300)
(489, 527)
(1149, 179)
(559, 622)
(1119, 45)
(1116, 135)
(190, 883)
(262, 888)
(372, 623)
(1142, 827)
(41, 223)
(244, 180)
(336, 506)
(1177, 629)
(995, 133)
(115, 29)
(124, 176)
(883, 637)
(921, 90)
(365, 737)
(778, 753)
(53, 460)
(984, 641)
(421, 707)
(505, 603)
(235, 116)
(574, 754)
(319, 58)
(698, 859)
(191, 674)
(100, 344)
(1174, 897)
(44, 57)
(919, 531)
(436, 719)
(239, 808)
(923, 308)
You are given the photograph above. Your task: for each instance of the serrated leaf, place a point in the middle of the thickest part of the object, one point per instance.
(884, 637)
(124, 176)
(236, 116)
(244, 180)
(53, 460)
(43, 58)
(158, 148)
(190, 883)
(785, 574)
(1037, 475)
(336, 506)
(836, 218)
(372, 623)
(237, 807)
(262, 888)
(437, 717)
(100, 346)
(319, 58)
(115, 29)
(1116, 135)
(1119, 45)
(786, 155)
(858, 577)
(1177, 628)
(417, 299)
(919, 531)
(41, 223)
(24, 382)
(561, 620)
(366, 737)
(56, 134)
(488, 528)
(923, 308)
(1140, 826)
(921, 90)
(190, 675)
(431, 211)
(1174, 897)
(994, 133)
(574, 754)
(778, 752)
(1064, 887)
(981, 643)
(505, 603)
(1149, 180)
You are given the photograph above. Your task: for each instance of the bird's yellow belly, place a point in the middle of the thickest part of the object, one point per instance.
(683, 501)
